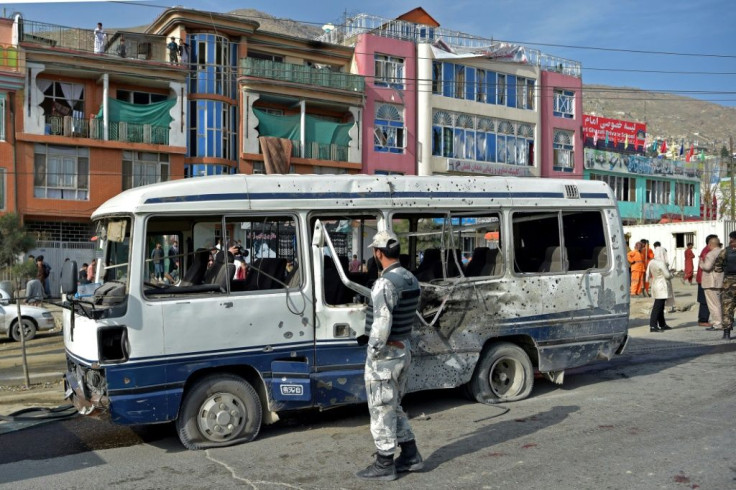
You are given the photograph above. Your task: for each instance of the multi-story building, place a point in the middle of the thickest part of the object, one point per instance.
(647, 188)
(88, 122)
(260, 101)
(12, 77)
(480, 104)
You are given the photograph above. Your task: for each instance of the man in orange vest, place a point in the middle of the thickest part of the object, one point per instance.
(636, 260)
(647, 255)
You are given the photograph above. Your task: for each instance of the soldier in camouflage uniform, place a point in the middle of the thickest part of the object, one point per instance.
(726, 263)
(389, 319)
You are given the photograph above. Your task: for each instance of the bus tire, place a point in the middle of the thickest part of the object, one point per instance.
(29, 329)
(504, 374)
(219, 410)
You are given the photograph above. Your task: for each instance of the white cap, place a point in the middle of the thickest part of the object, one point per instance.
(382, 239)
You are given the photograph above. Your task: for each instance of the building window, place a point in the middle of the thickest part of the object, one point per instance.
(480, 93)
(214, 61)
(564, 104)
(265, 56)
(204, 169)
(2, 189)
(143, 168)
(389, 128)
(442, 127)
(524, 93)
(564, 154)
(61, 172)
(624, 188)
(684, 194)
(658, 192)
(2, 118)
(142, 98)
(437, 78)
(211, 129)
(501, 89)
(61, 100)
(459, 82)
(389, 71)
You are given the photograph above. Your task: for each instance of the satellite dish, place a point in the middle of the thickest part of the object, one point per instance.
(328, 27)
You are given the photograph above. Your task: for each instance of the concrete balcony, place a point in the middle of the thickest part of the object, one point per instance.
(303, 75)
(125, 132)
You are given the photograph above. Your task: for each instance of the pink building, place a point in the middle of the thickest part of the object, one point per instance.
(389, 116)
(561, 125)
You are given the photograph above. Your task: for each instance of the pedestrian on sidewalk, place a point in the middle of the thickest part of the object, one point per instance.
(659, 276)
(712, 283)
(636, 262)
(689, 256)
(703, 313)
(646, 254)
(726, 263)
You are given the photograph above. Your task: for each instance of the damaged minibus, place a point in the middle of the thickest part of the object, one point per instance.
(264, 282)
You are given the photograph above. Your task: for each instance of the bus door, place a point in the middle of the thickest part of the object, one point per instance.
(242, 306)
(339, 247)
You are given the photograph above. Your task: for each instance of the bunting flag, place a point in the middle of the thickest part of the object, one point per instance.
(595, 138)
(664, 147)
(606, 138)
(701, 157)
(626, 142)
(690, 153)
(682, 147)
(654, 145)
(615, 140)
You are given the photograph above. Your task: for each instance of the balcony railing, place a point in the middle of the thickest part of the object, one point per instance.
(74, 127)
(302, 74)
(318, 151)
(136, 45)
(9, 58)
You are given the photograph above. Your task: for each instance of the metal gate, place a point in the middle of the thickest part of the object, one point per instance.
(54, 254)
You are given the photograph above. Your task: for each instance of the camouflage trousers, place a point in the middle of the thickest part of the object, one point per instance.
(728, 300)
(385, 384)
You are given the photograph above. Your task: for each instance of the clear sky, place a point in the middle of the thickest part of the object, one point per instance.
(702, 27)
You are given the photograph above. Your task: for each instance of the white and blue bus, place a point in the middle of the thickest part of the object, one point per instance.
(518, 276)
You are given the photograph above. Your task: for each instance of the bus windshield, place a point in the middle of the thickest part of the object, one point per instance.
(113, 236)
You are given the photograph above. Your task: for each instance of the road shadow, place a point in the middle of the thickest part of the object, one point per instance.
(496, 433)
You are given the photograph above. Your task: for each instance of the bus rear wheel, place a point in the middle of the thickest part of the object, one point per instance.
(219, 410)
(504, 374)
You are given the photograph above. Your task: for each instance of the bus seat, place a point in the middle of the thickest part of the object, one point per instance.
(195, 273)
(452, 264)
(220, 272)
(269, 273)
(485, 262)
(333, 284)
(552, 260)
(426, 271)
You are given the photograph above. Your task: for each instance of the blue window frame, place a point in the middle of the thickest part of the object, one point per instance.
(389, 129)
(448, 79)
(491, 87)
(470, 83)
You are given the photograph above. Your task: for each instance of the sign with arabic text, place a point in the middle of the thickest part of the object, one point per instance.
(639, 164)
(487, 168)
(597, 128)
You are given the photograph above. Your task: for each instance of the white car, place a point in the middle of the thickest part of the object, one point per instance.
(33, 318)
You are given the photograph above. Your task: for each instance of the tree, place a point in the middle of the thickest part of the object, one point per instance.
(14, 240)
(724, 152)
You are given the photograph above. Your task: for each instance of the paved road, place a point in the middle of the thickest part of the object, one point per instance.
(658, 417)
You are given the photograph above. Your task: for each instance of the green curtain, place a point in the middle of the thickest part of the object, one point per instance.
(316, 129)
(156, 114)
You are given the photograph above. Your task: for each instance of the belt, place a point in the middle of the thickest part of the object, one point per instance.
(395, 343)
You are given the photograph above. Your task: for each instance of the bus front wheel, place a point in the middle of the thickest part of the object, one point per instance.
(504, 374)
(219, 410)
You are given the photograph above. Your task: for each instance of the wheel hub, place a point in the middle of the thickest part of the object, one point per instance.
(221, 417)
(506, 377)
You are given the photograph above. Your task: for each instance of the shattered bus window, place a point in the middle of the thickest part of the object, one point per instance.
(452, 244)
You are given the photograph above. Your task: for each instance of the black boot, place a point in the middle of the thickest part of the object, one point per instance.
(383, 468)
(727, 334)
(409, 459)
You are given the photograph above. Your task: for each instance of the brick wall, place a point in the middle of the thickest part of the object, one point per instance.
(60, 231)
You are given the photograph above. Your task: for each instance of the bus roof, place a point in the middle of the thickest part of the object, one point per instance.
(290, 192)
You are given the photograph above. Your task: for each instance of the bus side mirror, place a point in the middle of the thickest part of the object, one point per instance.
(69, 275)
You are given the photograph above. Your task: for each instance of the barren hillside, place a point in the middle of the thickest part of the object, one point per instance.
(667, 116)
